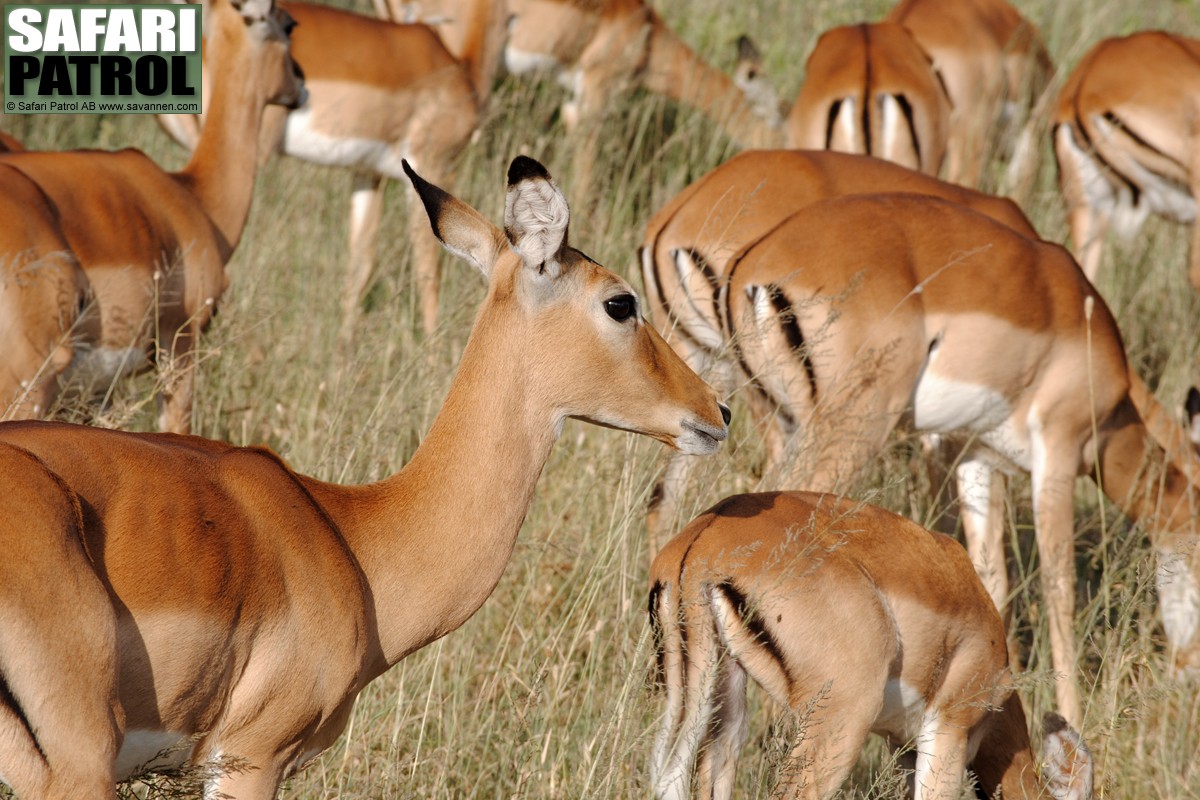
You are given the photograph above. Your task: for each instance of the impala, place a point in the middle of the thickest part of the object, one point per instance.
(983, 337)
(712, 220)
(994, 67)
(170, 589)
(153, 245)
(378, 93)
(602, 48)
(858, 621)
(1126, 140)
(871, 89)
(44, 302)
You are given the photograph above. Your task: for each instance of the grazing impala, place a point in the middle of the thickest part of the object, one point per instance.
(871, 89)
(603, 48)
(166, 589)
(44, 303)
(1126, 140)
(858, 621)
(378, 93)
(153, 244)
(711, 221)
(979, 335)
(994, 67)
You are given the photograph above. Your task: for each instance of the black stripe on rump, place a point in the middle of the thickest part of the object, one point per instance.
(660, 670)
(790, 328)
(752, 621)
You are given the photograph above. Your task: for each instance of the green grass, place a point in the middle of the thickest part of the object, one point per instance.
(545, 693)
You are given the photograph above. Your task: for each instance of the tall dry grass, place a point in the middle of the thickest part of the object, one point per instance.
(545, 693)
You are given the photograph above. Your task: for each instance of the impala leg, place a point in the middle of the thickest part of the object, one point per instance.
(981, 493)
(366, 209)
(679, 748)
(244, 782)
(941, 764)
(1054, 520)
(177, 373)
(727, 735)
(822, 760)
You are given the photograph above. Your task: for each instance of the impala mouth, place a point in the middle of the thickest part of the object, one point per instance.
(700, 438)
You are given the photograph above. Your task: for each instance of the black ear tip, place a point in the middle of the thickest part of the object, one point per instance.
(1053, 723)
(1193, 400)
(408, 170)
(523, 168)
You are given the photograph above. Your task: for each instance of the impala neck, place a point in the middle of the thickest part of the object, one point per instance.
(1140, 478)
(674, 70)
(223, 166)
(434, 539)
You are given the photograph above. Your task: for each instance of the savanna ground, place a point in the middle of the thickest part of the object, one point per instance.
(546, 692)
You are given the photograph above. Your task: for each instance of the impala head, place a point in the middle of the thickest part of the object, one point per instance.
(573, 329)
(257, 32)
(748, 75)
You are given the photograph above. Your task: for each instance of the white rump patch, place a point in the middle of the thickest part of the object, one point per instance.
(1101, 194)
(845, 136)
(1158, 195)
(696, 318)
(897, 144)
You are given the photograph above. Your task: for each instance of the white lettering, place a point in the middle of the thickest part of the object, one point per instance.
(157, 30)
(187, 30)
(122, 31)
(28, 38)
(60, 31)
(91, 25)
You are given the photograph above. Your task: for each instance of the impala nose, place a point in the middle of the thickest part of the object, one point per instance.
(725, 415)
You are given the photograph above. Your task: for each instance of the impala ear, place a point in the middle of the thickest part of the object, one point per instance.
(461, 229)
(1192, 408)
(535, 216)
(1066, 761)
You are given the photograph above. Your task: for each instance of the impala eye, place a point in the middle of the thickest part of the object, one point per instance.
(621, 307)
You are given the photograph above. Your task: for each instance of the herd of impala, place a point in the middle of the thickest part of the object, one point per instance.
(162, 589)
